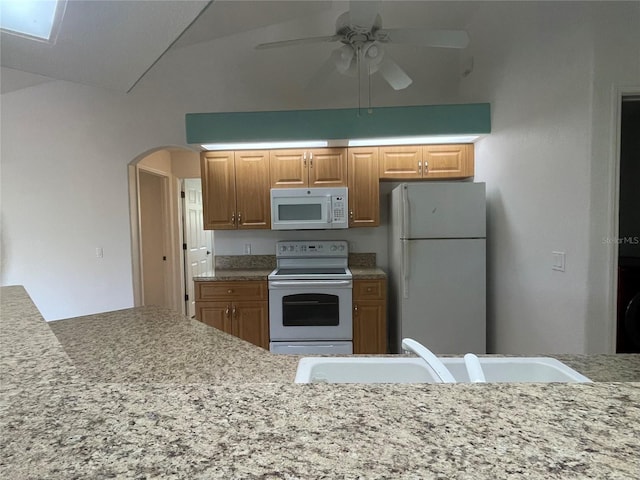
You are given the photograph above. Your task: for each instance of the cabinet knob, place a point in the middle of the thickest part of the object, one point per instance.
(426, 165)
(355, 309)
(233, 311)
(369, 289)
(226, 311)
(419, 167)
(239, 218)
(351, 214)
(233, 218)
(230, 290)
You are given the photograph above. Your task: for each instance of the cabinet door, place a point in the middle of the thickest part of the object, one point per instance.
(401, 162)
(448, 161)
(253, 203)
(369, 333)
(369, 316)
(327, 167)
(215, 314)
(287, 168)
(250, 322)
(364, 187)
(218, 190)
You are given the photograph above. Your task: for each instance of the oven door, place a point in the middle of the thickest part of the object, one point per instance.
(310, 310)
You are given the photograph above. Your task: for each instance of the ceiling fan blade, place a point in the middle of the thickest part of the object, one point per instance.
(425, 37)
(363, 14)
(393, 74)
(343, 58)
(298, 41)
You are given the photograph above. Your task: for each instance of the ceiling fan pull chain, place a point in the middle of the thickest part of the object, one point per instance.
(369, 81)
(359, 76)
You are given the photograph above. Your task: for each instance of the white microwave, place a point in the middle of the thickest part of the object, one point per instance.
(309, 208)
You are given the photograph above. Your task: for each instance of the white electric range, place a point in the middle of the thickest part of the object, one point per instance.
(310, 298)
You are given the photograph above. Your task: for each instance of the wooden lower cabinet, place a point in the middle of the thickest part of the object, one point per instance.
(370, 316)
(239, 308)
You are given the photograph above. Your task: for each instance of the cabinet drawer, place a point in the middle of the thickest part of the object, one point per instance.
(368, 289)
(241, 290)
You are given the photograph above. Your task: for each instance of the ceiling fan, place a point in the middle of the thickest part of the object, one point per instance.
(363, 38)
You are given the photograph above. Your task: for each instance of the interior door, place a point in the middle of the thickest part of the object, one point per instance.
(198, 255)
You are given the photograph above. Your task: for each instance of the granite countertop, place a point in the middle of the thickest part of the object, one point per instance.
(147, 393)
(258, 267)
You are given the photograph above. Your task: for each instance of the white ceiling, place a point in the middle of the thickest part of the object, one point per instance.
(112, 44)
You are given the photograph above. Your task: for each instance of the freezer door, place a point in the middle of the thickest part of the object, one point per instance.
(445, 304)
(443, 210)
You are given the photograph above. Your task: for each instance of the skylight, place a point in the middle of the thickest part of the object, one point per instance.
(31, 18)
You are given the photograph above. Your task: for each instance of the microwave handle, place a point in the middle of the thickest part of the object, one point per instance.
(329, 213)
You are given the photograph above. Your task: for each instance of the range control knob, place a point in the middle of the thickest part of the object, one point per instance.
(333, 248)
(341, 247)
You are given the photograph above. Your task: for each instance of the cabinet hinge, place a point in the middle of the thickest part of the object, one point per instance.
(182, 195)
(184, 246)
(186, 297)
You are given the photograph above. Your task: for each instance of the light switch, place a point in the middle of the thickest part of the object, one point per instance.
(99, 252)
(558, 261)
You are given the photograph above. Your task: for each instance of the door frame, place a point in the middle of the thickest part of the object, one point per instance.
(614, 224)
(175, 279)
(169, 237)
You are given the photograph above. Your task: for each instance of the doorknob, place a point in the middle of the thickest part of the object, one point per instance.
(208, 252)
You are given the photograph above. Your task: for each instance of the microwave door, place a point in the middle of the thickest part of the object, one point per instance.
(301, 213)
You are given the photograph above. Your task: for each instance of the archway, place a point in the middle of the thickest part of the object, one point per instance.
(156, 207)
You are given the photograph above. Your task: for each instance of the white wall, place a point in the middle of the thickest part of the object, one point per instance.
(547, 69)
(543, 167)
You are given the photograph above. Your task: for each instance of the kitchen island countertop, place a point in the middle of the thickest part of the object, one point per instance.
(147, 393)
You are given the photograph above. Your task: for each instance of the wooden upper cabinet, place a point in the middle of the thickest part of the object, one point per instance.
(319, 167)
(401, 162)
(364, 187)
(426, 162)
(218, 190)
(288, 168)
(448, 161)
(328, 167)
(253, 202)
(235, 190)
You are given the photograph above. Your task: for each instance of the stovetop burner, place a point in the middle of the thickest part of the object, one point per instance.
(312, 260)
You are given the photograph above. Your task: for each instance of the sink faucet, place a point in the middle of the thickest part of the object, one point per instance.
(442, 372)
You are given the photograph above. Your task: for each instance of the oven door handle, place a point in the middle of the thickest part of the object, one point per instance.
(311, 283)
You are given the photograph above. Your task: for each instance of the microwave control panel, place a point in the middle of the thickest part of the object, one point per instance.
(339, 209)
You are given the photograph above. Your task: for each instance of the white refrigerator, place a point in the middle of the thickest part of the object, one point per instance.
(437, 266)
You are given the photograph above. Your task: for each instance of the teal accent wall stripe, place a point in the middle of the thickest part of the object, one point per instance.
(338, 124)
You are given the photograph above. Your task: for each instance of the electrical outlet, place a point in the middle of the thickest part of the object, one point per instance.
(247, 249)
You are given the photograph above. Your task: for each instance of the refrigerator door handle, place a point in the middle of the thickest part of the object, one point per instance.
(405, 268)
(405, 211)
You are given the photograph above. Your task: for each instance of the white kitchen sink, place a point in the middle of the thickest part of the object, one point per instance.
(403, 369)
